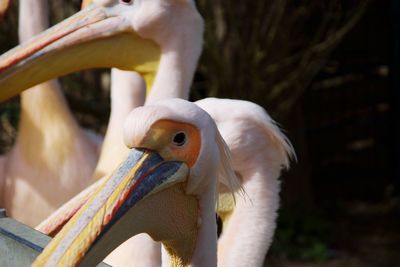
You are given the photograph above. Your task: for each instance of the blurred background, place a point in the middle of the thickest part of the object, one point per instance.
(327, 71)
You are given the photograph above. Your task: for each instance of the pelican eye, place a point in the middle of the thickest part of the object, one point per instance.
(179, 139)
(126, 2)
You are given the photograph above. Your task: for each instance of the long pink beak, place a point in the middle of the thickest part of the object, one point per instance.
(92, 38)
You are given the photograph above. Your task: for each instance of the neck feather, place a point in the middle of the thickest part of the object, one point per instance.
(178, 62)
(33, 18)
(248, 232)
(45, 124)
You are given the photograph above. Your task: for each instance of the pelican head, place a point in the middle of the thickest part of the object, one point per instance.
(166, 187)
(126, 34)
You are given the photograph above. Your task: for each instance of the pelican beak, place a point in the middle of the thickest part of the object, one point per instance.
(95, 37)
(141, 175)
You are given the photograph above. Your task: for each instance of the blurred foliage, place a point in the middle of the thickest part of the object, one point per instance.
(269, 51)
(301, 236)
(263, 51)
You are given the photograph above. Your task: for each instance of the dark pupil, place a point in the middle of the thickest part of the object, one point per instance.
(126, 1)
(180, 139)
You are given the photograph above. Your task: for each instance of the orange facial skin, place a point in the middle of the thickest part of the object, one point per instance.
(161, 138)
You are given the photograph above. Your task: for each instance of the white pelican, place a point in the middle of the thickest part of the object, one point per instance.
(259, 152)
(173, 201)
(154, 38)
(53, 158)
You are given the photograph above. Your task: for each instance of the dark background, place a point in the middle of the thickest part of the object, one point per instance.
(328, 72)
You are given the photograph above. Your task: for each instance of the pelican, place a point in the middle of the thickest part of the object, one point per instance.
(53, 158)
(259, 152)
(155, 38)
(167, 187)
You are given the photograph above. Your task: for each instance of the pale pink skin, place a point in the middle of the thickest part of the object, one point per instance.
(53, 158)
